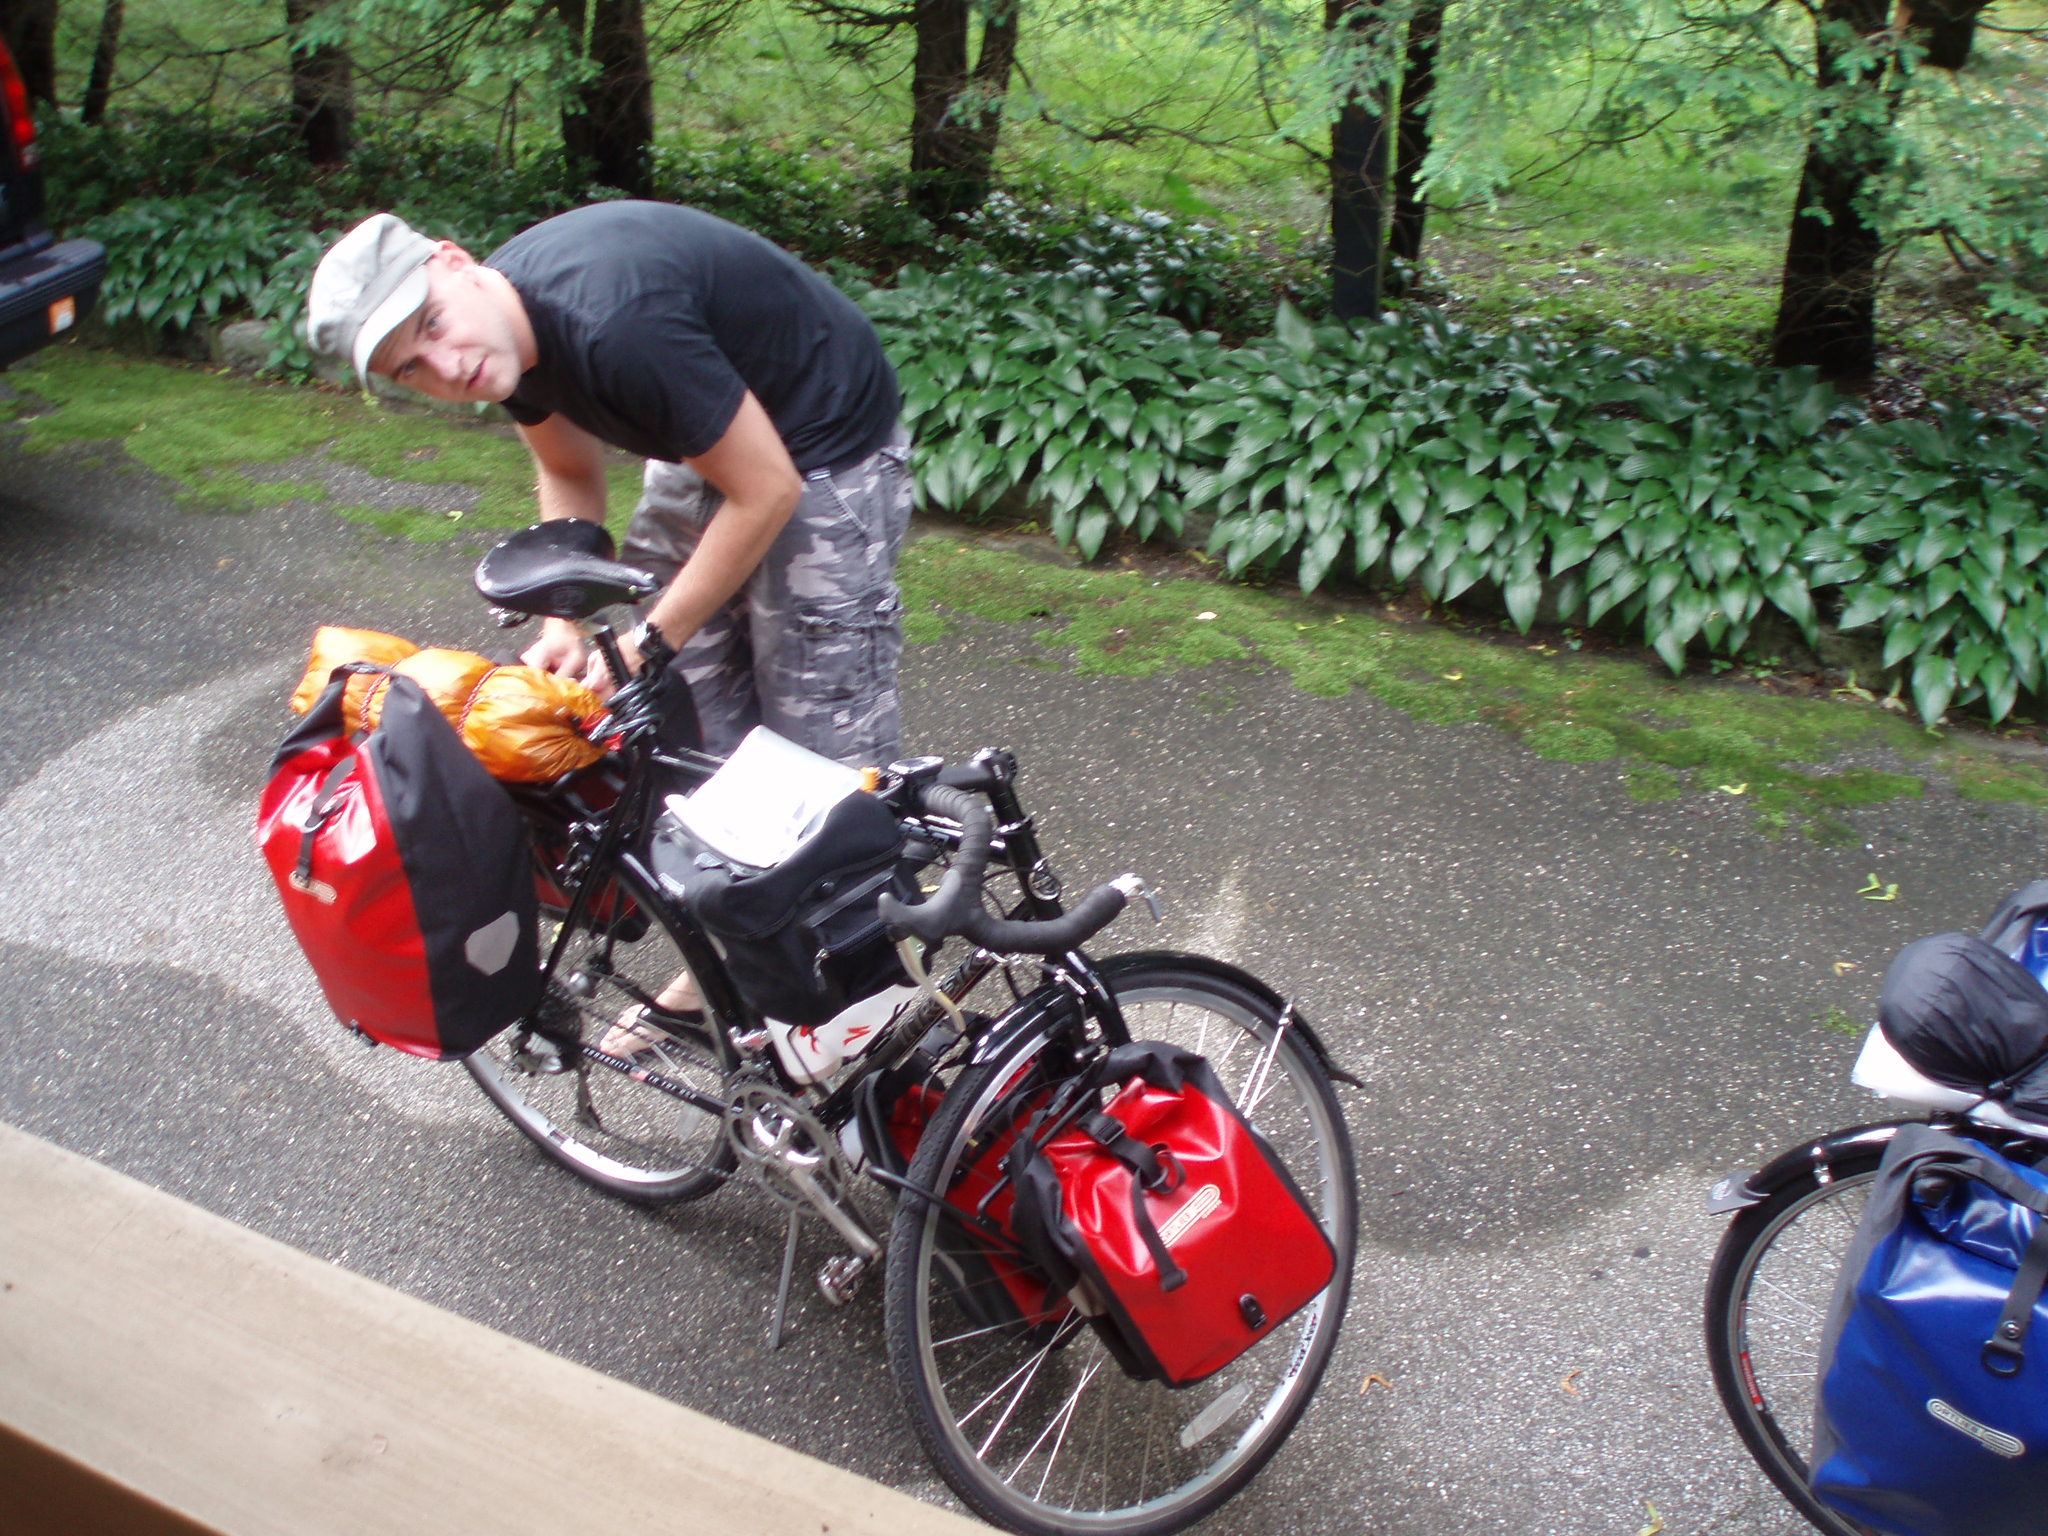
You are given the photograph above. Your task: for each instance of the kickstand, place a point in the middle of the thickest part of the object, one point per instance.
(782, 1290)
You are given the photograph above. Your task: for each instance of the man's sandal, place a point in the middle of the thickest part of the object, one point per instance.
(643, 1029)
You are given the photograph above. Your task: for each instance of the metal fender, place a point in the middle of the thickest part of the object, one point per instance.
(1039, 1011)
(1733, 1191)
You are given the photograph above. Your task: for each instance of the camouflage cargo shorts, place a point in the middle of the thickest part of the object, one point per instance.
(808, 647)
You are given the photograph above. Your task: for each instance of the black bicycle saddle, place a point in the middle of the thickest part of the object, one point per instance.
(562, 569)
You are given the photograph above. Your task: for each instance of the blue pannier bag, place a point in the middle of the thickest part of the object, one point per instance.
(1932, 1418)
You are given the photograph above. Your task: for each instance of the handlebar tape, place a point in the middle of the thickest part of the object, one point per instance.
(1052, 936)
(959, 893)
(956, 906)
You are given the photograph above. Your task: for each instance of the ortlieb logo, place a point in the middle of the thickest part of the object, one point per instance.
(1200, 1204)
(1996, 1441)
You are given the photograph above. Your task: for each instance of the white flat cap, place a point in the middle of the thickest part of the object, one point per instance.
(370, 281)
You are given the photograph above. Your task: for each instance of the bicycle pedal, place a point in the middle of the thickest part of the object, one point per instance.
(839, 1277)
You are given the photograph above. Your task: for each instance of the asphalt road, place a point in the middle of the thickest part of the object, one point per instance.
(1570, 1012)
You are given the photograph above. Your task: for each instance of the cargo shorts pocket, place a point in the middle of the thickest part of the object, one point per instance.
(846, 649)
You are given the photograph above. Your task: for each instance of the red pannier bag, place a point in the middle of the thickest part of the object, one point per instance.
(1164, 1216)
(406, 873)
(997, 1285)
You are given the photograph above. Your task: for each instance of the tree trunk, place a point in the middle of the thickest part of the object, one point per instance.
(1358, 174)
(1827, 299)
(323, 89)
(956, 113)
(614, 128)
(29, 28)
(1411, 139)
(100, 83)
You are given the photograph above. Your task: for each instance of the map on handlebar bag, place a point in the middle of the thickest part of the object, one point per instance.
(770, 795)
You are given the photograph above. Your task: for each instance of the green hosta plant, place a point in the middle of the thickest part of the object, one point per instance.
(1682, 497)
(174, 261)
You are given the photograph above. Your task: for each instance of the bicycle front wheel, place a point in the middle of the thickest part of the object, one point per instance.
(619, 1132)
(1768, 1296)
(1036, 1427)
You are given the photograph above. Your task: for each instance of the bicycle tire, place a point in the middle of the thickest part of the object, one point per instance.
(622, 1135)
(1768, 1294)
(1146, 1458)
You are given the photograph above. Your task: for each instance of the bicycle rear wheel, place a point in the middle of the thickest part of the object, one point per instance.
(1037, 1428)
(613, 1130)
(1768, 1296)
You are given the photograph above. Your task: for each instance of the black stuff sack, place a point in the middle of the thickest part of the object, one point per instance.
(1965, 1014)
(406, 874)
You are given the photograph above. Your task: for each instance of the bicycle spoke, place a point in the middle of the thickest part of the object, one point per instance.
(1060, 1420)
(1791, 1298)
(1030, 1374)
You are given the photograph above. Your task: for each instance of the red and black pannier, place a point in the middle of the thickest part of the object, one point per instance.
(1163, 1215)
(406, 873)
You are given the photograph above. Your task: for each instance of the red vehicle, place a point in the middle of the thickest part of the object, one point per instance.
(47, 285)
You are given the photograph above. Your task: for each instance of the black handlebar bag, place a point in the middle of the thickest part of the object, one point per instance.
(803, 939)
(1163, 1215)
(406, 875)
(1932, 1415)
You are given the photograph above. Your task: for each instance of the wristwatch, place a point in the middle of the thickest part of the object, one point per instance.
(652, 644)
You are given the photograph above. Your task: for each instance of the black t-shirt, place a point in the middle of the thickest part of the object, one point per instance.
(653, 321)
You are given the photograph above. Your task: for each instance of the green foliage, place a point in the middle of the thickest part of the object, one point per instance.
(451, 183)
(175, 261)
(1197, 272)
(1682, 498)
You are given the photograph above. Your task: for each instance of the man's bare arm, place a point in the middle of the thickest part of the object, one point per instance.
(761, 486)
(569, 465)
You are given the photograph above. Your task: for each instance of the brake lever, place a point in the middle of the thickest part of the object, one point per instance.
(1135, 886)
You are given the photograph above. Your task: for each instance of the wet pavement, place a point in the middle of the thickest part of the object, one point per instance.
(1569, 1011)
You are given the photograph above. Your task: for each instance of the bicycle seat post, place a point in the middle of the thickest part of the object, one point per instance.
(606, 639)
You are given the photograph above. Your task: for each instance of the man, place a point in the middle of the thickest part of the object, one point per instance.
(777, 486)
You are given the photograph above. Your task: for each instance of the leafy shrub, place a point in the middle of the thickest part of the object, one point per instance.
(807, 203)
(154, 154)
(1195, 272)
(1684, 497)
(452, 184)
(171, 261)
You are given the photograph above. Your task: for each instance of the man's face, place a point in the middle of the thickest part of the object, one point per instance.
(460, 344)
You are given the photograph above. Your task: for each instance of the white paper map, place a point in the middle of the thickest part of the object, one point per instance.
(770, 795)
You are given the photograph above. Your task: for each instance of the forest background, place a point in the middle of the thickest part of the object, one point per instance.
(1700, 321)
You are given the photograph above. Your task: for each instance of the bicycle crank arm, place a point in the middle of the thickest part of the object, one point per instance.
(849, 1226)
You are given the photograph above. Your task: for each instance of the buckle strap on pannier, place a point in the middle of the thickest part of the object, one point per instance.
(2005, 1351)
(316, 817)
(1155, 1168)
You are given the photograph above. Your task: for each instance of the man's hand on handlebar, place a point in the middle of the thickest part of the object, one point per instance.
(562, 650)
(639, 647)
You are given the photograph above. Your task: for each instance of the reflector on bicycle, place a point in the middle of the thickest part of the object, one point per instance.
(406, 875)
